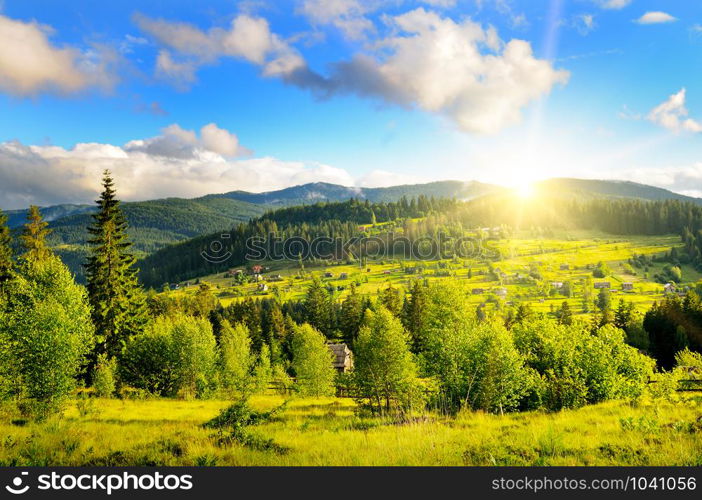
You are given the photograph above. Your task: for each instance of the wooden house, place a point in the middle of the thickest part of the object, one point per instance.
(343, 357)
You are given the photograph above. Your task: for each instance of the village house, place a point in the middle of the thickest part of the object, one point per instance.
(501, 292)
(627, 287)
(343, 276)
(256, 269)
(603, 284)
(669, 288)
(478, 291)
(328, 275)
(565, 267)
(262, 287)
(343, 357)
(557, 285)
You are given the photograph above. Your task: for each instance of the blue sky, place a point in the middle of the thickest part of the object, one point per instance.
(180, 98)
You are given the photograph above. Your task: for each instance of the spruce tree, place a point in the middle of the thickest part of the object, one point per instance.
(5, 250)
(117, 301)
(34, 235)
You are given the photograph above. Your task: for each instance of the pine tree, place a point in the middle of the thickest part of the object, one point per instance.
(351, 315)
(117, 301)
(5, 250)
(34, 235)
(318, 306)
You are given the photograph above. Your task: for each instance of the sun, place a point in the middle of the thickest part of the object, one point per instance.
(524, 190)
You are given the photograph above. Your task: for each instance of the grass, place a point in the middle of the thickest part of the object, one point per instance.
(327, 431)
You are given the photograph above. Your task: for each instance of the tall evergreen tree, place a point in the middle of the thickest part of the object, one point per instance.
(34, 235)
(5, 250)
(117, 301)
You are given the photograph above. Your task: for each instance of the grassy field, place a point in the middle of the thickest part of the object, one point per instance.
(327, 431)
(578, 250)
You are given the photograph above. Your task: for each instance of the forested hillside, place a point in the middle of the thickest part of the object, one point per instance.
(455, 219)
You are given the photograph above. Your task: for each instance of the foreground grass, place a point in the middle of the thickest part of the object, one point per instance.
(327, 431)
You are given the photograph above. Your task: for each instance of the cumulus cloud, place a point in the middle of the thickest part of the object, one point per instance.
(248, 38)
(176, 142)
(175, 164)
(30, 64)
(673, 115)
(655, 17)
(460, 70)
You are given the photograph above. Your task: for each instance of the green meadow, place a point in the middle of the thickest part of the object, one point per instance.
(329, 431)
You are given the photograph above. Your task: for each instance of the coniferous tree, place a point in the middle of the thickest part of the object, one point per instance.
(5, 250)
(117, 301)
(34, 235)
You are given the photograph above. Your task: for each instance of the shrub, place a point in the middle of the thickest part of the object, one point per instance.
(104, 376)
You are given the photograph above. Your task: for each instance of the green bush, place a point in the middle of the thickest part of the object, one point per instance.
(45, 335)
(175, 355)
(104, 376)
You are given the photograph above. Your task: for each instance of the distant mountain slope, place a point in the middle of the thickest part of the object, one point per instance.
(16, 218)
(322, 191)
(611, 189)
(153, 224)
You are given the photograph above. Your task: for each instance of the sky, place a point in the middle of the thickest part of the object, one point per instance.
(186, 98)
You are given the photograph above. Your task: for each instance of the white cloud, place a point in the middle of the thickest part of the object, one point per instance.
(584, 23)
(685, 179)
(248, 38)
(348, 16)
(30, 64)
(655, 17)
(613, 4)
(143, 171)
(673, 115)
(460, 70)
(456, 69)
(176, 142)
(180, 74)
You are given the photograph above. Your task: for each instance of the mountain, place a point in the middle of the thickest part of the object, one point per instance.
(16, 218)
(158, 223)
(152, 224)
(322, 191)
(611, 189)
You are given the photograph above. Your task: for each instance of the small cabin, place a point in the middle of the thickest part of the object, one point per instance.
(557, 285)
(478, 291)
(328, 275)
(627, 287)
(257, 269)
(343, 276)
(262, 287)
(565, 267)
(669, 288)
(501, 292)
(343, 357)
(603, 284)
